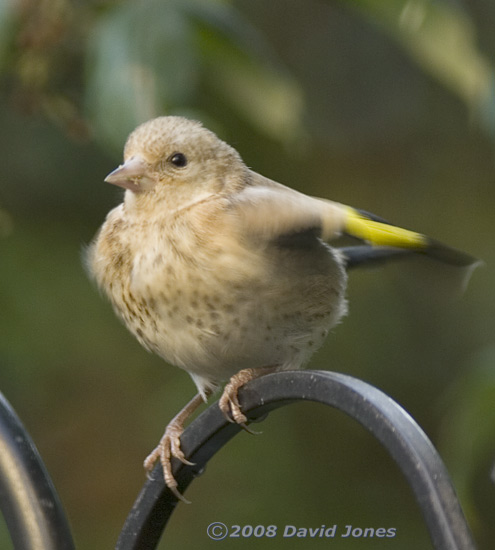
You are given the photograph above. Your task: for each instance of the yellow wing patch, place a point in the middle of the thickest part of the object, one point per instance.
(381, 234)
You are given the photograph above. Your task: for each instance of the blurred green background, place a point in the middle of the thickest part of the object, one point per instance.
(388, 106)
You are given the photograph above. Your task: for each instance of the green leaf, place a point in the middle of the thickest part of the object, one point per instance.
(244, 70)
(154, 57)
(141, 63)
(441, 38)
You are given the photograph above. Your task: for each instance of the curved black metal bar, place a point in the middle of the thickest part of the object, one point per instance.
(378, 413)
(28, 500)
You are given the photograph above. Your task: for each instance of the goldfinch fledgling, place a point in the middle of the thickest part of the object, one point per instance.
(221, 271)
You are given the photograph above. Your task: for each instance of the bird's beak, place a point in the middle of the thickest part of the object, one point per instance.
(131, 175)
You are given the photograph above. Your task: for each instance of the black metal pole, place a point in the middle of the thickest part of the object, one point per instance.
(378, 413)
(28, 500)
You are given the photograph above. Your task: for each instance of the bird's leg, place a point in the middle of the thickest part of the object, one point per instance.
(229, 402)
(169, 446)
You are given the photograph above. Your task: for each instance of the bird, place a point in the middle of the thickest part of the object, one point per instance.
(225, 273)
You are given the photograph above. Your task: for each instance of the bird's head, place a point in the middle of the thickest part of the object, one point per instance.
(170, 152)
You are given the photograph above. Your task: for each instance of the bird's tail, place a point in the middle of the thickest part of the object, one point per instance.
(387, 242)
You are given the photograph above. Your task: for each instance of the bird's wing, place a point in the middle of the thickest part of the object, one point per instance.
(271, 211)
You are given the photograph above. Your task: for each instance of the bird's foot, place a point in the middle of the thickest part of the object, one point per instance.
(229, 401)
(169, 447)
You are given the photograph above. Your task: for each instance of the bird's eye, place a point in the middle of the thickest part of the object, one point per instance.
(178, 159)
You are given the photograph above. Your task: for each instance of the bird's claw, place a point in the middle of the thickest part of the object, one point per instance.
(229, 405)
(168, 447)
(229, 401)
